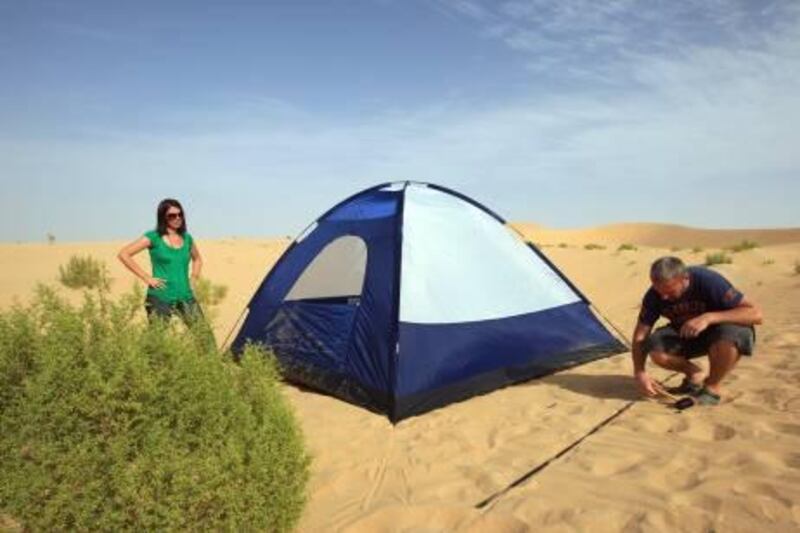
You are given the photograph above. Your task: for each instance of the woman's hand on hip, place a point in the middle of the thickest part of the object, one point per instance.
(156, 283)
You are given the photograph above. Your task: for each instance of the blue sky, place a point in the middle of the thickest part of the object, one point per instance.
(260, 115)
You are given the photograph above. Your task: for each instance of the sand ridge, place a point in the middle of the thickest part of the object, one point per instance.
(657, 235)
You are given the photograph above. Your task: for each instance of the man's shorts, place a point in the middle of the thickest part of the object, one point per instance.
(667, 339)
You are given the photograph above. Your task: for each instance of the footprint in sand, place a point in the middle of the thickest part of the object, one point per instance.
(712, 504)
(612, 466)
(722, 432)
(779, 398)
(764, 491)
(703, 431)
(680, 479)
(658, 423)
(792, 460)
(785, 340)
(786, 429)
(688, 426)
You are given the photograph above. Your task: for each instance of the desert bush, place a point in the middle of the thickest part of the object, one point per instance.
(697, 250)
(797, 268)
(84, 273)
(563, 245)
(743, 246)
(209, 294)
(593, 246)
(51, 239)
(627, 247)
(768, 261)
(675, 249)
(718, 258)
(110, 424)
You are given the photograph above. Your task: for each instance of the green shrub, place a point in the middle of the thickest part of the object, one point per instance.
(627, 247)
(718, 258)
(209, 294)
(743, 246)
(108, 424)
(84, 273)
(593, 246)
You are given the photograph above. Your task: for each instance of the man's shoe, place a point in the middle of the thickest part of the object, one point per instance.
(686, 387)
(706, 397)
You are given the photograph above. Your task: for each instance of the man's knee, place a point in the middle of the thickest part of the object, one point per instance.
(660, 358)
(724, 347)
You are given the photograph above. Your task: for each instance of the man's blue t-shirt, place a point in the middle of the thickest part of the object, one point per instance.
(708, 291)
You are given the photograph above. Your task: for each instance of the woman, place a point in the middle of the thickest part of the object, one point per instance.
(171, 248)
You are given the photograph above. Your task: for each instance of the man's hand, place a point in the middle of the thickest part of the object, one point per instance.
(645, 383)
(694, 327)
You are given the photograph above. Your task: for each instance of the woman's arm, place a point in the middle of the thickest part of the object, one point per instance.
(197, 262)
(126, 257)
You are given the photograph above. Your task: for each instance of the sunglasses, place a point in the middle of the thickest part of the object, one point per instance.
(173, 216)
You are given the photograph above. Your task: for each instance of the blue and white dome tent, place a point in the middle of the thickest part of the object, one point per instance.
(409, 296)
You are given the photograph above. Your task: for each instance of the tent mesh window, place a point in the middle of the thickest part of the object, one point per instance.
(336, 272)
(313, 325)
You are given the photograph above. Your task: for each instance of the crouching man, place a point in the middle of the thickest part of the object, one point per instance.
(707, 315)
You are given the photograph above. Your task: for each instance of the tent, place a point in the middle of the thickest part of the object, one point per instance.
(409, 296)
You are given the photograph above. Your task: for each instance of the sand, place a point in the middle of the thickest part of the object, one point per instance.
(735, 467)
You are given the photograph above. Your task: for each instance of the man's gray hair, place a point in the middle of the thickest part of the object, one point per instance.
(666, 268)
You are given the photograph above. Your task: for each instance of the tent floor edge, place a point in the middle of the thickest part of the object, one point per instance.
(420, 403)
(335, 385)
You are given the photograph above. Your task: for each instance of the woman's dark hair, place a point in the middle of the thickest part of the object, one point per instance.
(161, 216)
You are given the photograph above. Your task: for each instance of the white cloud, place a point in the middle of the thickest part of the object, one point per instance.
(587, 38)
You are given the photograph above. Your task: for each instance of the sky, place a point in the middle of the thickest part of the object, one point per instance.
(260, 115)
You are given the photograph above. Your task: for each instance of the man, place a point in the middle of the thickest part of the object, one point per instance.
(707, 316)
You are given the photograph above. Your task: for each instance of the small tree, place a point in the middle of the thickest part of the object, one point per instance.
(743, 246)
(84, 273)
(209, 294)
(111, 424)
(718, 258)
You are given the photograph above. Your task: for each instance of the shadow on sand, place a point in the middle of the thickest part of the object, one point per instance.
(605, 386)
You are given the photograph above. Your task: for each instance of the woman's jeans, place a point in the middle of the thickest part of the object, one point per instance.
(189, 312)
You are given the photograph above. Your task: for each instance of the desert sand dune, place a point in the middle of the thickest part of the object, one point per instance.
(657, 235)
(735, 467)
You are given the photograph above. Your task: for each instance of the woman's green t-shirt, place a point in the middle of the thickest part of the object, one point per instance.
(172, 265)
